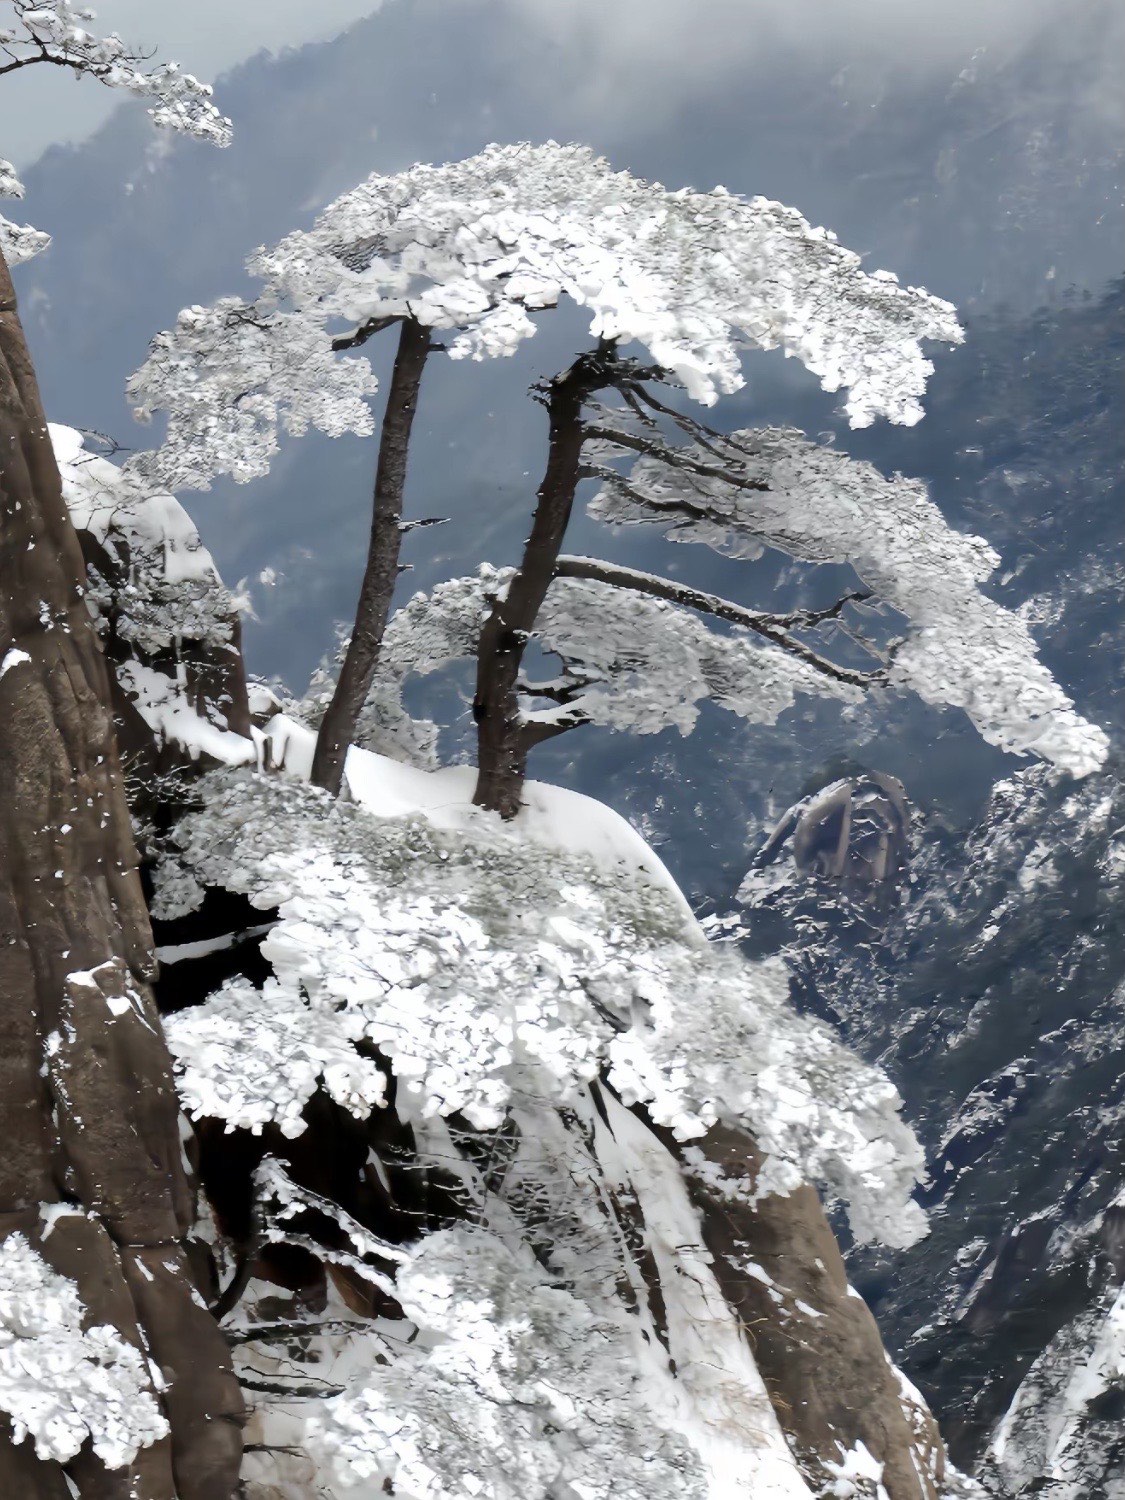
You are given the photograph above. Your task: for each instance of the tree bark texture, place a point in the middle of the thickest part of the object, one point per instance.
(502, 744)
(88, 1112)
(381, 571)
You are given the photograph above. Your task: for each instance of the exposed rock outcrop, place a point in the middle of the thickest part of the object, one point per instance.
(89, 1113)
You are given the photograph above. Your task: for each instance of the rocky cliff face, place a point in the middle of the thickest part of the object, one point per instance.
(992, 990)
(92, 1174)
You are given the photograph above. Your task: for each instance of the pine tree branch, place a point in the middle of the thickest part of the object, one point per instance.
(365, 331)
(773, 628)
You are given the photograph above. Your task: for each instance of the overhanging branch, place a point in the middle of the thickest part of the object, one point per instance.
(774, 628)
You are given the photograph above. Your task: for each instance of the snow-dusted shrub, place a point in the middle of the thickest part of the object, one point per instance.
(166, 588)
(62, 1384)
(489, 970)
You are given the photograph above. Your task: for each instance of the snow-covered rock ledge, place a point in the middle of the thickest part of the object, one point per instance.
(545, 976)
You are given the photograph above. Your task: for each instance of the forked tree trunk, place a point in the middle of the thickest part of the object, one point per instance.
(88, 1112)
(502, 740)
(380, 574)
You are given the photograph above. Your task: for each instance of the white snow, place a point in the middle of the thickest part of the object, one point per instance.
(164, 708)
(857, 1476)
(12, 658)
(101, 499)
(62, 1384)
(727, 1413)
(551, 816)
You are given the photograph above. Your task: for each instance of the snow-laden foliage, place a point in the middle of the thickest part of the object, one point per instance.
(232, 377)
(175, 890)
(487, 969)
(63, 1385)
(258, 1056)
(693, 277)
(165, 587)
(18, 242)
(632, 662)
(514, 1389)
(474, 247)
(55, 32)
(774, 488)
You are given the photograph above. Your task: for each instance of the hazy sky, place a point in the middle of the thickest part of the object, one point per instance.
(41, 105)
(652, 54)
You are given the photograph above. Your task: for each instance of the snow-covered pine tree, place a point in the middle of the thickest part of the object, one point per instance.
(702, 275)
(114, 1378)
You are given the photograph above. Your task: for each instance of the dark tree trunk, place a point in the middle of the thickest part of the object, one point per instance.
(88, 1112)
(502, 742)
(381, 572)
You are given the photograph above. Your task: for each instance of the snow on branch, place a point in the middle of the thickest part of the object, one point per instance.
(487, 970)
(10, 184)
(63, 1385)
(18, 242)
(777, 489)
(54, 32)
(475, 245)
(514, 1388)
(775, 628)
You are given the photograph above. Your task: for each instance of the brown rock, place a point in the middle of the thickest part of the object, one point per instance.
(87, 1109)
(815, 1342)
